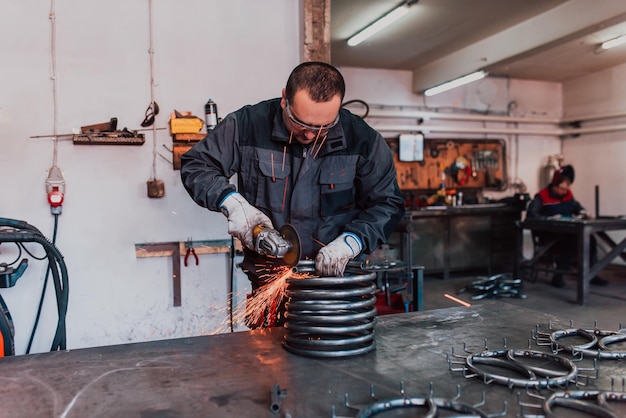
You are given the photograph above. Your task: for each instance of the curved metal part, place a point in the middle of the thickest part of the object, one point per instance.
(597, 347)
(330, 316)
(330, 353)
(321, 305)
(459, 407)
(538, 371)
(575, 400)
(430, 407)
(310, 340)
(308, 266)
(334, 329)
(504, 364)
(571, 332)
(330, 281)
(473, 360)
(404, 403)
(604, 343)
(342, 292)
(604, 397)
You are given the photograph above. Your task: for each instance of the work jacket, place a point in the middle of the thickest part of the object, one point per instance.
(345, 183)
(547, 203)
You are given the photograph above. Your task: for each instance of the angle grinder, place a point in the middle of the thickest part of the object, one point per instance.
(284, 243)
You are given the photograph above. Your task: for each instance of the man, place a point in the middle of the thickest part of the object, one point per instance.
(303, 160)
(557, 201)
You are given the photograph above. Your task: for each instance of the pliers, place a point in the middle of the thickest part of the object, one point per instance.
(190, 250)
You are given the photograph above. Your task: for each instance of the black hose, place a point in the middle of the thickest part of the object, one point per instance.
(364, 103)
(56, 266)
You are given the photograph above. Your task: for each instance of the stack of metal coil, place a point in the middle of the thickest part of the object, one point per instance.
(331, 316)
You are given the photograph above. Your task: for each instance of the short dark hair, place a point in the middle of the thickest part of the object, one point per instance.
(562, 174)
(321, 81)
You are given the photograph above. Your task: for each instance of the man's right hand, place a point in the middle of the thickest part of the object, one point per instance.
(242, 218)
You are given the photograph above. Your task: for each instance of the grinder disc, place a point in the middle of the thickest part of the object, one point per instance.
(289, 234)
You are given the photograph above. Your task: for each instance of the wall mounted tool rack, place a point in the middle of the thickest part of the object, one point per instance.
(177, 249)
(458, 163)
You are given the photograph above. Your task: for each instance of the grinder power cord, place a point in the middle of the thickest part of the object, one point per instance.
(20, 232)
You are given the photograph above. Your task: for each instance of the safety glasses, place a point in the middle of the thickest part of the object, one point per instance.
(314, 128)
(151, 112)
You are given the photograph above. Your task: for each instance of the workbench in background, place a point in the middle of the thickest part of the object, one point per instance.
(470, 237)
(233, 375)
(580, 230)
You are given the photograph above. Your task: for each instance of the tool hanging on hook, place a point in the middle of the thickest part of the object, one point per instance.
(192, 251)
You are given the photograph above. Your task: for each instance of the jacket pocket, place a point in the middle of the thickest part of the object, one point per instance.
(273, 181)
(337, 186)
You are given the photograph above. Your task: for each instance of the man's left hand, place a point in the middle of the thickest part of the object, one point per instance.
(332, 259)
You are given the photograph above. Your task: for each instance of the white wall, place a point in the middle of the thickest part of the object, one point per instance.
(599, 159)
(527, 153)
(234, 52)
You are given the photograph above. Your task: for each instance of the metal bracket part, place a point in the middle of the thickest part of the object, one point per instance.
(9, 276)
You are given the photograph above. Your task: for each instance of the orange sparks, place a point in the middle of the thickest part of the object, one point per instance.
(263, 305)
(457, 300)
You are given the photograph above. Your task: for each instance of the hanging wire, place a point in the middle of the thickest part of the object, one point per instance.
(152, 101)
(53, 77)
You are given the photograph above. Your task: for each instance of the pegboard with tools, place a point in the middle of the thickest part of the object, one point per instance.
(425, 163)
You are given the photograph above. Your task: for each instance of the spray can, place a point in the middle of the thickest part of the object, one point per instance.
(210, 115)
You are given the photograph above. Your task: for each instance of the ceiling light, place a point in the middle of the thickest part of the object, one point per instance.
(455, 83)
(381, 23)
(613, 42)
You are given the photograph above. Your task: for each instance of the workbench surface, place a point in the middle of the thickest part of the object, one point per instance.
(232, 375)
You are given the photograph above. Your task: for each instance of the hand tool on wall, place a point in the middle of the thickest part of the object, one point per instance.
(192, 251)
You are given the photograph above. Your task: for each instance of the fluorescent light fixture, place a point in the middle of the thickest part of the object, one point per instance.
(613, 42)
(455, 83)
(379, 24)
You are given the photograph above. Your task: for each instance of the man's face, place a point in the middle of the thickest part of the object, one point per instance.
(309, 120)
(562, 188)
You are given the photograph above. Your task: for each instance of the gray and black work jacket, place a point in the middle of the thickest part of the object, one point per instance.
(346, 183)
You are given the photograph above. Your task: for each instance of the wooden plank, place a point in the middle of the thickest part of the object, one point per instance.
(178, 249)
(155, 249)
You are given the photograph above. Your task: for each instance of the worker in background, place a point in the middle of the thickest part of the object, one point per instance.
(304, 160)
(556, 201)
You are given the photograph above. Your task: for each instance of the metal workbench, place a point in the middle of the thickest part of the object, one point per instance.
(580, 230)
(232, 375)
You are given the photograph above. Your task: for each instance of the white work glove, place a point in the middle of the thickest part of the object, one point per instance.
(332, 259)
(242, 218)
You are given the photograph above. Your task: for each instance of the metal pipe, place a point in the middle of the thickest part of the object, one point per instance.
(417, 114)
(412, 114)
(505, 131)
(465, 129)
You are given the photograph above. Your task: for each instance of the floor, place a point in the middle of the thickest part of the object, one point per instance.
(606, 305)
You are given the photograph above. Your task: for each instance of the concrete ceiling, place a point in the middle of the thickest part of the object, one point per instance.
(439, 40)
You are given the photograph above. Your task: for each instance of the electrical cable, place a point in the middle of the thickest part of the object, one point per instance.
(43, 290)
(364, 103)
(152, 99)
(22, 232)
(53, 77)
